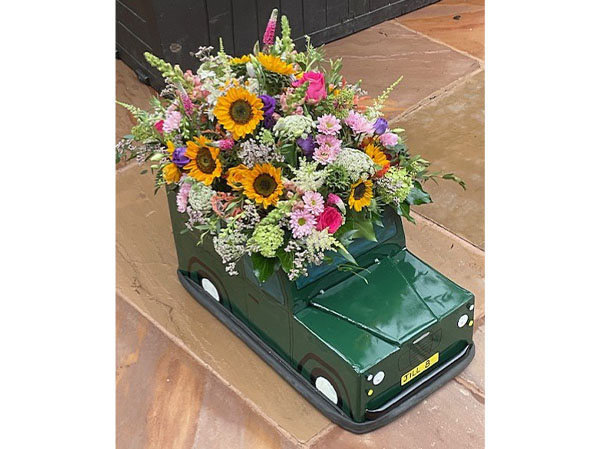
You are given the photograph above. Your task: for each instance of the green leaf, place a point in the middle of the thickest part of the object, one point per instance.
(453, 177)
(404, 211)
(346, 254)
(287, 260)
(365, 228)
(263, 267)
(417, 195)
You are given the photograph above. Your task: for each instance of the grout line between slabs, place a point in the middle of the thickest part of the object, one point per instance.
(285, 433)
(437, 41)
(315, 438)
(451, 234)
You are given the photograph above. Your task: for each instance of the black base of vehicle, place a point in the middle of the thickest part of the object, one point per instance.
(375, 418)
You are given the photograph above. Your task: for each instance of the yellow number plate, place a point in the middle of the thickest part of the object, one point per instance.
(419, 369)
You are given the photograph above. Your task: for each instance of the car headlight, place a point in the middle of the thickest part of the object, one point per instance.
(463, 320)
(378, 378)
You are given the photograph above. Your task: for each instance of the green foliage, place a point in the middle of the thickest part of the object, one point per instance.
(174, 73)
(375, 111)
(417, 195)
(263, 267)
(337, 178)
(311, 57)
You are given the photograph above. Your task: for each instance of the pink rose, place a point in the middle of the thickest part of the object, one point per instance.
(331, 219)
(316, 86)
(159, 126)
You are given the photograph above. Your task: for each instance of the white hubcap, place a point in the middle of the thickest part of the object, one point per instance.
(210, 288)
(325, 387)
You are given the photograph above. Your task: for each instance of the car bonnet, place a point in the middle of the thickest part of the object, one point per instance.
(395, 299)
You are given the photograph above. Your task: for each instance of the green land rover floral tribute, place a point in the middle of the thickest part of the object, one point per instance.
(286, 197)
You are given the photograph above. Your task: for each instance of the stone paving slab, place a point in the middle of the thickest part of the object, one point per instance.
(451, 418)
(166, 399)
(450, 133)
(459, 23)
(384, 52)
(146, 276)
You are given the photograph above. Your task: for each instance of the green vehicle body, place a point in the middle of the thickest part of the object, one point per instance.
(333, 325)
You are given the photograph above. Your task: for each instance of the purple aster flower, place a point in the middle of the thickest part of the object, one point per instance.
(380, 126)
(179, 157)
(268, 104)
(308, 145)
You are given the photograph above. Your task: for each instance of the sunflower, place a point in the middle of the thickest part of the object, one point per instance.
(376, 155)
(239, 111)
(241, 60)
(361, 193)
(171, 173)
(235, 176)
(275, 64)
(263, 184)
(204, 163)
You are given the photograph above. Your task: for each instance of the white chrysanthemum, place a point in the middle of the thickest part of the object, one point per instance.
(199, 197)
(357, 163)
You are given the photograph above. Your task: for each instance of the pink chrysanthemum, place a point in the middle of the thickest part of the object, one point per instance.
(313, 202)
(302, 223)
(328, 149)
(359, 123)
(329, 124)
(182, 196)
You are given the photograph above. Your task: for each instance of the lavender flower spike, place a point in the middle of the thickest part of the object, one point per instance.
(269, 36)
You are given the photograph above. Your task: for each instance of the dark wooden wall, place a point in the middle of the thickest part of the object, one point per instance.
(172, 29)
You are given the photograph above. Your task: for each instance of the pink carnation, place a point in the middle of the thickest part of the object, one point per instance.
(329, 124)
(389, 139)
(330, 219)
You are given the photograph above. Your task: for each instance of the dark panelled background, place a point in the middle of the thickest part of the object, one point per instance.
(173, 29)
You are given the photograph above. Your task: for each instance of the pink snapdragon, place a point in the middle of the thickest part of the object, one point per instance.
(302, 223)
(226, 144)
(182, 196)
(269, 36)
(172, 121)
(329, 124)
(313, 202)
(388, 139)
(359, 123)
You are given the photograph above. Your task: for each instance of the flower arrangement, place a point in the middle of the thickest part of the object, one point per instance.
(271, 155)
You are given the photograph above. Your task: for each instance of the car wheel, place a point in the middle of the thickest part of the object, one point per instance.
(210, 288)
(326, 387)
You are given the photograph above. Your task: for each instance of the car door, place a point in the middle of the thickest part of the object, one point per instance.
(268, 311)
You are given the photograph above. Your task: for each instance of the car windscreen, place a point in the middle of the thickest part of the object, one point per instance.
(356, 248)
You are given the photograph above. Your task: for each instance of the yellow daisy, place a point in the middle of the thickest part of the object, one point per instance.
(376, 155)
(263, 185)
(241, 60)
(235, 176)
(171, 173)
(204, 163)
(239, 111)
(275, 64)
(361, 193)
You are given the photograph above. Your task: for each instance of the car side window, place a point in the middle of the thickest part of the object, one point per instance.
(270, 286)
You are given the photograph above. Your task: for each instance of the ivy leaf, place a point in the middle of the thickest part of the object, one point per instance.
(417, 195)
(286, 259)
(263, 267)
